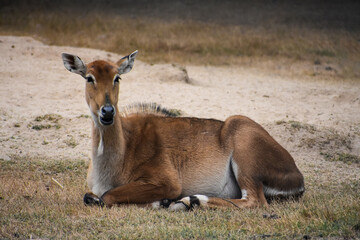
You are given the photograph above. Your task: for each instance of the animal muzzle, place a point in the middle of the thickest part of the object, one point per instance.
(107, 113)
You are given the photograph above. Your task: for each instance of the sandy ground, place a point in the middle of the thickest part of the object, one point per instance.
(34, 83)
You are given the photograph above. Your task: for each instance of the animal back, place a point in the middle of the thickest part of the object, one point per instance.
(149, 108)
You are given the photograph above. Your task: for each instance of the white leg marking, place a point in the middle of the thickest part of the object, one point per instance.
(177, 207)
(202, 199)
(243, 194)
(155, 205)
(186, 201)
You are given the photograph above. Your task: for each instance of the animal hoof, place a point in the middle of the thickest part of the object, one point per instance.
(165, 203)
(92, 200)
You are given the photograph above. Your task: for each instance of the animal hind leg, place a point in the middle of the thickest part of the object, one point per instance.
(252, 197)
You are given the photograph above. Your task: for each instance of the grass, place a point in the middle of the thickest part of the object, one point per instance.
(342, 157)
(231, 33)
(51, 121)
(33, 206)
(71, 142)
(49, 117)
(277, 32)
(296, 125)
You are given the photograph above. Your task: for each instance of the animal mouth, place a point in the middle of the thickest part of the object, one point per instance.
(106, 121)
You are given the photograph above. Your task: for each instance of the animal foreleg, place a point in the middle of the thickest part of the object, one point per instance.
(138, 193)
(91, 199)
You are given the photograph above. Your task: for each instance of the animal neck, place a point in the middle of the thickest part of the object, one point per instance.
(108, 156)
(109, 140)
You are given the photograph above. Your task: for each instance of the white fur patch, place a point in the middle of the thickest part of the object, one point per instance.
(186, 200)
(177, 207)
(244, 194)
(155, 205)
(202, 199)
(235, 168)
(95, 118)
(180, 206)
(100, 150)
(99, 188)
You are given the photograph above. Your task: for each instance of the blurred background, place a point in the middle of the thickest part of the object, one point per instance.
(320, 38)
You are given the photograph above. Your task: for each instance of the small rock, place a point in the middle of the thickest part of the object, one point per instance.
(328, 68)
(271, 216)
(27, 197)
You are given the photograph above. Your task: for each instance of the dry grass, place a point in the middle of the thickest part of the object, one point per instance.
(33, 206)
(324, 36)
(216, 35)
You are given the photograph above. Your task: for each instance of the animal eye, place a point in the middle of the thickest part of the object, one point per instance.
(90, 79)
(117, 79)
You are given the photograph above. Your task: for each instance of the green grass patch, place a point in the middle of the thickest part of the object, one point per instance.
(341, 157)
(54, 118)
(46, 121)
(296, 125)
(71, 142)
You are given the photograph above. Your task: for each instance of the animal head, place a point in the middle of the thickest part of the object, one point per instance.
(102, 84)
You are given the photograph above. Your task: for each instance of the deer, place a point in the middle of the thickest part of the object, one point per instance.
(150, 158)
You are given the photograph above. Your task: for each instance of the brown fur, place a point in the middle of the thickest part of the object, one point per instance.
(143, 158)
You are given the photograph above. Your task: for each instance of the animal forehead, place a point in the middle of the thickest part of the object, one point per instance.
(102, 68)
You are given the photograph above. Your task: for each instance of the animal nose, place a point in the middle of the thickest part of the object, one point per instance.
(107, 114)
(107, 111)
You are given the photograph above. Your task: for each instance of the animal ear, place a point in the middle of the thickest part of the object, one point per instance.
(126, 63)
(74, 64)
